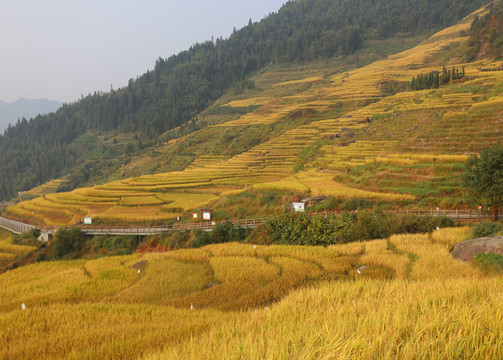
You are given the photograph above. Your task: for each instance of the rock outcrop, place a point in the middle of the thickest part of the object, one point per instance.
(466, 250)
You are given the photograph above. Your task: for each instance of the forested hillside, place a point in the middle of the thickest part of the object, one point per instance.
(183, 85)
(486, 41)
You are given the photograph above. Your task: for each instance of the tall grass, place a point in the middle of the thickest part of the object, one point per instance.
(364, 320)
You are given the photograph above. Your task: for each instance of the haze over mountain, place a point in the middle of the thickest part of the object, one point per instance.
(27, 108)
(104, 40)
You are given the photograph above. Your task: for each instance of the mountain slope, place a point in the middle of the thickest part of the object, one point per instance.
(486, 41)
(354, 139)
(182, 86)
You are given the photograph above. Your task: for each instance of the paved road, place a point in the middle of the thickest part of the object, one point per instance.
(15, 226)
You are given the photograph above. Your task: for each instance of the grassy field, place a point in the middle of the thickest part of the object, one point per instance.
(244, 301)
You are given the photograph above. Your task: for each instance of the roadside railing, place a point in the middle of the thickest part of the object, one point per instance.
(7, 203)
(148, 230)
(19, 227)
(15, 226)
(455, 214)
(450, 213)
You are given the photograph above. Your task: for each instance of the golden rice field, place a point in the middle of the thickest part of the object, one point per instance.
(415, 128)
(321, 183)
(248, 102)
(300, 81)
(46, 188)
(230, 301)
(10, 252)
(120, 206)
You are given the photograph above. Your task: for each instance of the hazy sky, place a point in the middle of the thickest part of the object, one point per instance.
(60, 49)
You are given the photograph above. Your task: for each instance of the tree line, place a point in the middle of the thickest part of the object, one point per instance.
(434, 79)
(183, 85)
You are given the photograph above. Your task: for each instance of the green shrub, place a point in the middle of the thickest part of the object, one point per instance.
(27, 238)
(176, 239)
(200, 240)
(486, 229)
(444, 221)
(121, 245)
(330, 203)
(489, 262)
(221, 233)
(355, 204)
(412, 224)
(67, 243)
(302, 229)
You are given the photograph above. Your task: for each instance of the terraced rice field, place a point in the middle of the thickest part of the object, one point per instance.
(318, 183)
(407, 129)
(47, 188)
(245, 301)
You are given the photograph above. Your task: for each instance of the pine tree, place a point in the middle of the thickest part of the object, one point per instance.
(436, 80)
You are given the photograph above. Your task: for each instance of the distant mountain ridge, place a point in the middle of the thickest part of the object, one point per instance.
(27, 108)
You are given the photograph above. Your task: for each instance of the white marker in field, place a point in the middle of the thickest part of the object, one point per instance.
(23, 306)
(191, 307)
(363, 267)
(139, 270)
